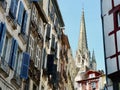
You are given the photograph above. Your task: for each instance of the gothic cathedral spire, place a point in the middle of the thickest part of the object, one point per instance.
(82, 53)
(82, 44)
(93, 62)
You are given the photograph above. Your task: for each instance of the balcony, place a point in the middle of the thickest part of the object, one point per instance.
(34, 73)
(34, 25)
(65, 76)
(4, 68)
(23, 37)
(12, 21)
(3, 3)
(16, 80)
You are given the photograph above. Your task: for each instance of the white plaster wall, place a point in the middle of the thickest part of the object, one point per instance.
(106, 6)
(109, 40)
(118, 40)
(116, 2)
(45, 6)
(111, 65)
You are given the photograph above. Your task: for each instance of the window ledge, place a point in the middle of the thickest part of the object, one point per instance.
(23, 38)
(12, 22)
(4, 68)
(16, 80)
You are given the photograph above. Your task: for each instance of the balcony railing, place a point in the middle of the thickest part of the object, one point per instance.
(16, 80)
(4, 68)
(34, 73)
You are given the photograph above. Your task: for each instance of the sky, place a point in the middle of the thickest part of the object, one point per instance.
(71, 12)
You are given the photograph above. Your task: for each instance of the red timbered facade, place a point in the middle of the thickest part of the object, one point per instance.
(110, 14)
(90, 80)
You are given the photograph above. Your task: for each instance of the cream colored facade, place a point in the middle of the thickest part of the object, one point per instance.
(72, 71)
(40, 47)
(10, 66)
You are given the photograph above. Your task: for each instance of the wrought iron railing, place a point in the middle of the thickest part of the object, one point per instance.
(4, 68)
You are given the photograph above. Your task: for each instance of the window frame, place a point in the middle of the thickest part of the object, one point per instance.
(31, 46)
(37, 57)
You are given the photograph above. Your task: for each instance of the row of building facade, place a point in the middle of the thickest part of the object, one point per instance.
(35, 53)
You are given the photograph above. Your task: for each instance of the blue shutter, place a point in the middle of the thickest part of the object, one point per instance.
(13, 52)
(16, 5)
(25, 65)
(23, 29)
(20, 14)
(13, 8)
(2, 35)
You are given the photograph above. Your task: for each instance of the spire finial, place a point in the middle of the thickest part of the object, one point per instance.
(82, 6)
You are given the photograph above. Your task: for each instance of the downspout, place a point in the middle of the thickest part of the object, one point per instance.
(104, 42)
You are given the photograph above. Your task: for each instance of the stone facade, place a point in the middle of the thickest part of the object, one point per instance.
(34, 50)
(14, 60)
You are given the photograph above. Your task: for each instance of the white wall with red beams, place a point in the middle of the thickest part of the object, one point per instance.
(110, 12)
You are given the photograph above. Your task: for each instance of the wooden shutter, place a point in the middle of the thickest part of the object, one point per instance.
(20, 14)
(13, 8)
(48, 31)
(13, 52)
(2, 35)
(23, 28)
(25, 65)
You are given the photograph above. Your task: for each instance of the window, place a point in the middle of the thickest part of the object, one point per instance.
(53, 42)
(24, 23)
(18, 62)
(34, 15)
(22, 18)
(13, 53)
(37, 57)
(31, 46)
(44, 63)
(93, 84)
(48, 31)
(91, 75)
(13, 8)
(6, 48)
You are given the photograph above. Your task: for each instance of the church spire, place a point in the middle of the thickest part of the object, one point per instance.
(93, 57)
(82, 45)
(94, 64)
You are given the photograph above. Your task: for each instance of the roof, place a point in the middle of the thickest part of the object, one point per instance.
(86, 76)
(58, 12)
(65, 40)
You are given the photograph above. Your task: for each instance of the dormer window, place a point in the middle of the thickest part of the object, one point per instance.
(92, 75)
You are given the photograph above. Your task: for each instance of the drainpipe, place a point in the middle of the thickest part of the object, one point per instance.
(41, 69)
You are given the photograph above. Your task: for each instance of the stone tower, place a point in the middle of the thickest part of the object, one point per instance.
(82, 53)
(93, 62)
